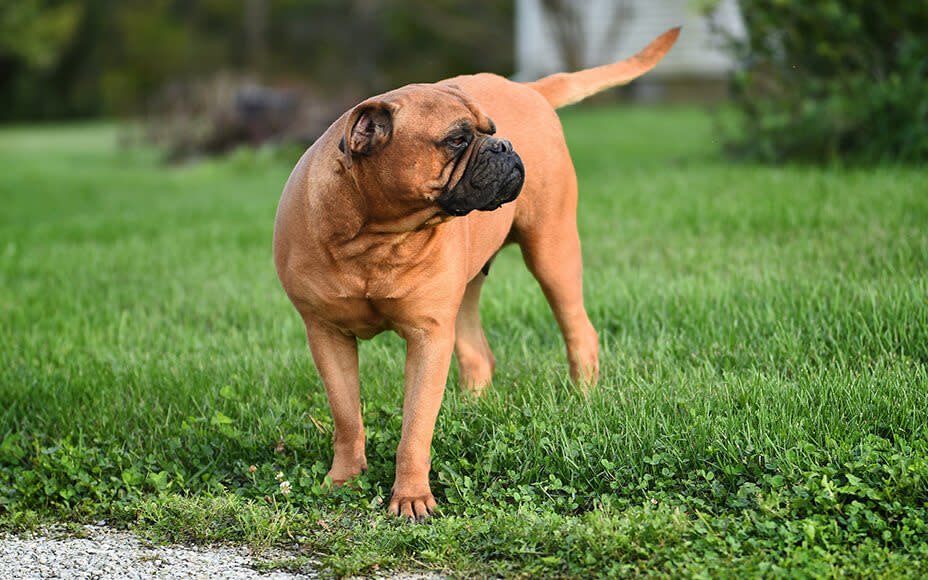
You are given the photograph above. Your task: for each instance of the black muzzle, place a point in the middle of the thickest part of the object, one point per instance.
(493, 177)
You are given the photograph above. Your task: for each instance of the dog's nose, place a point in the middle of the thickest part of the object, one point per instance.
(501, 146)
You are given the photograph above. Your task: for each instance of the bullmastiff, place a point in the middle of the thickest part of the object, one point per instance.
(391, 219)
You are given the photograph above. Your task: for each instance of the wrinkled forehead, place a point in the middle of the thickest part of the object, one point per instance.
(436, 109)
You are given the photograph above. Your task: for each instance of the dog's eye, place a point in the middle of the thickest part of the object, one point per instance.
(458, 141)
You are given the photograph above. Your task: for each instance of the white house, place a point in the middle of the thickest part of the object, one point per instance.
(609, 30)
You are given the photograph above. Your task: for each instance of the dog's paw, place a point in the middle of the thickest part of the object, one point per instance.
(415, 506)
(340, 477)
(346, 467)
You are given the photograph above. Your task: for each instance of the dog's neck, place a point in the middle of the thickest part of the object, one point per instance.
(353, 229)
(393, 244)
(372, 212)
(424, 219)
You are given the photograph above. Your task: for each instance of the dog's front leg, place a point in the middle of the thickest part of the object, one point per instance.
(336, 356)
(428, 356)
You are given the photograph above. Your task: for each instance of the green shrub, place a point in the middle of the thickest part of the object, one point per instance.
(833, 79)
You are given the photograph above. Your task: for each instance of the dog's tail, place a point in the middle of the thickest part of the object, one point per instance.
(563, 89)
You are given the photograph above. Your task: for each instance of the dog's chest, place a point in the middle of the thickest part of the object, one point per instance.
(373, 283)
(352, 297)
(344, 306)
(385, 267)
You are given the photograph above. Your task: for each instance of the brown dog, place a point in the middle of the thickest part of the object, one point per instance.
(377, 230)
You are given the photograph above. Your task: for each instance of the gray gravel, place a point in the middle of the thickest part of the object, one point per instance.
(101, 553)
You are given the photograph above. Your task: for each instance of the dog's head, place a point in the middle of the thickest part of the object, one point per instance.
(429, 145)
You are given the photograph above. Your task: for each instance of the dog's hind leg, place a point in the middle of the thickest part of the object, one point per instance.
(475, 359)
(552, 254)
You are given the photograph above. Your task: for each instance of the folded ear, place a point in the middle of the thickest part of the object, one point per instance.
(369, 129)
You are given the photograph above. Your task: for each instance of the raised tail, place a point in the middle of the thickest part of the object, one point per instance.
(563, 89)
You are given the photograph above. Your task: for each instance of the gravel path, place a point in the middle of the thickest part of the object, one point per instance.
(102, 553)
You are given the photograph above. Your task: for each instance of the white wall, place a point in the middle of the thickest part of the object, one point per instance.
(696, 53)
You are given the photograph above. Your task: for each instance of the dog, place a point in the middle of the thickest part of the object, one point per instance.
(391, 219)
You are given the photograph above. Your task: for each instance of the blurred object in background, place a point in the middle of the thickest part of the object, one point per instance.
(567, 35)
(218, 113)
(89, 58)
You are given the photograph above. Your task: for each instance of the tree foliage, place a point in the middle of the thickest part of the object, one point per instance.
(87, 57)
(833, 79)
(34, 32)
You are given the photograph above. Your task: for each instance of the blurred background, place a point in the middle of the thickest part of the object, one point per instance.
(806, 80)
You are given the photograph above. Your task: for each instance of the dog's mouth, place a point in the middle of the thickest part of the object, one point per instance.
(509, 189)
(493, 178)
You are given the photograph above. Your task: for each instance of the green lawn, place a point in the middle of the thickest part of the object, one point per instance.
(763, 409)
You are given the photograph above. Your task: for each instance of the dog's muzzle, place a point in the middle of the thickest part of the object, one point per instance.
(493, 177)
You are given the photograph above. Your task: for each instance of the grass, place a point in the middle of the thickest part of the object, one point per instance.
(762, 410)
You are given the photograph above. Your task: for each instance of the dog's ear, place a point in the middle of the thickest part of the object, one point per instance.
(369, 129)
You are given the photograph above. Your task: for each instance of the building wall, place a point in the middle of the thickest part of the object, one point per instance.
(695, 56)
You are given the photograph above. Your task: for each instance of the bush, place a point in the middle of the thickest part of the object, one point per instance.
(833, 79)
